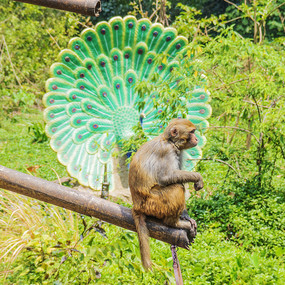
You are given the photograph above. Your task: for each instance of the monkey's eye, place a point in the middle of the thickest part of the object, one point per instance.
(193, 131)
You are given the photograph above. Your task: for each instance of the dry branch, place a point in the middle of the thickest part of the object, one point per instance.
(85, 7)
(86, 204)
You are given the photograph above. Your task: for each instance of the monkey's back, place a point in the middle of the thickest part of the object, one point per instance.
(141, 178)
(151, 161)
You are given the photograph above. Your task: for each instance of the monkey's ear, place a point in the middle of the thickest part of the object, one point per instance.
(174, 132)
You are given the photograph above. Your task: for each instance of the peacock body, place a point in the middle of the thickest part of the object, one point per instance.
(91, 102)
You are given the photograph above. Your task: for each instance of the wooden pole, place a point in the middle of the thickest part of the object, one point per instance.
(176, 266)
(85, 7)
(86, 204)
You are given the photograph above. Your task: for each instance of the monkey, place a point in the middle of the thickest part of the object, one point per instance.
(156, 182)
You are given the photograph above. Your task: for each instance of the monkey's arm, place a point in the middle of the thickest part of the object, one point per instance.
(182, 176)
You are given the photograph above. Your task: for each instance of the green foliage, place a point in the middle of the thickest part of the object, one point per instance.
(214, 260)
(17, 150)
(192, 26)
(30, 38)
(131, 145)
(23, 99)
(247, 81)
(12, 102)
(258, 19)
(108, 11)
(247, 216)
(37, 130)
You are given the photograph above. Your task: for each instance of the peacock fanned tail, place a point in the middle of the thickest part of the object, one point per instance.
(91, 103)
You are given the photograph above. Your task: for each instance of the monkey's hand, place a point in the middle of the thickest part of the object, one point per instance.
(199, 185)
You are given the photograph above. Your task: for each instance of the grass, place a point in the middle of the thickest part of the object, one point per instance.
(17, 150)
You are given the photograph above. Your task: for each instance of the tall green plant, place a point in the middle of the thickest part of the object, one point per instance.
(30, 38)
(259, 17)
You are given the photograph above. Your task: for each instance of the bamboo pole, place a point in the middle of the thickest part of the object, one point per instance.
(85, 7)
(86, 204)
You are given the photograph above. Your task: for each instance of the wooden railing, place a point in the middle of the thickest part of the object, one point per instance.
(86, 204)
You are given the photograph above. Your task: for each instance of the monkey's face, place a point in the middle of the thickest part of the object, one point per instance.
(192, 139)
(182, 134)
(187, 139)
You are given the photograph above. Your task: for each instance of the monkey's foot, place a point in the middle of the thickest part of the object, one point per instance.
(192, 226)
(184, 216)
(192, 230)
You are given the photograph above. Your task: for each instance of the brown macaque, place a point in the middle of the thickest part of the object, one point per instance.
(156, 182)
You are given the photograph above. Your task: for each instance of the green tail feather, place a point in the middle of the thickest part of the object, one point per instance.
(91, 101)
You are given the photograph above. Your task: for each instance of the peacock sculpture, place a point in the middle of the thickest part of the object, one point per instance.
(91, 102)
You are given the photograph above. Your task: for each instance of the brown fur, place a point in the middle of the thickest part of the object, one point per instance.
(156, 181)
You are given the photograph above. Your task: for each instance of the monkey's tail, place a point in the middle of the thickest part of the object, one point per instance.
(143, 235)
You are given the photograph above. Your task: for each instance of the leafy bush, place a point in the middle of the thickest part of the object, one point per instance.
(37, 130)
(248, 217)
(30, 41)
